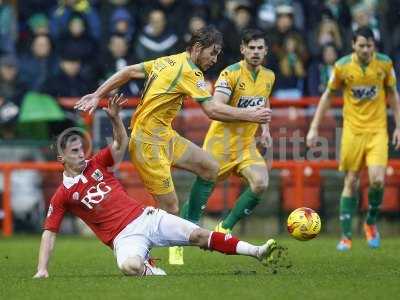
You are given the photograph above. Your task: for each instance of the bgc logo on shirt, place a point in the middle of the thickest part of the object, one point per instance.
(251, 101)
(364, 92)
(95, 194)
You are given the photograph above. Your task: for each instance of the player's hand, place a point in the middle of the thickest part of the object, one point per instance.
(260, 115)
(88, 103)
(114, 105)
(265, 139)
(312, 136)
(396, 138)
(41, 274)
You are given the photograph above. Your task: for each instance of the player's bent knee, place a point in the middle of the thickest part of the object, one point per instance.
(210, 171)
(377, 183)
(259, 186)
(132, 267)
(199, 237)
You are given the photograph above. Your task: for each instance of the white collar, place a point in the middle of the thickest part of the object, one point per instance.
(68, 181)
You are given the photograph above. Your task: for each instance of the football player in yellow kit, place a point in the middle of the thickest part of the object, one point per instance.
(154, 146)
(244, 84)
(366, 78)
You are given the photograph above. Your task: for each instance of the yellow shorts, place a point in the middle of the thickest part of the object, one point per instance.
(365, 149)
(153, 162)
(235, 162)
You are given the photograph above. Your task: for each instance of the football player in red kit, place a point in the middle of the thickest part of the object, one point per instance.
(91, 192)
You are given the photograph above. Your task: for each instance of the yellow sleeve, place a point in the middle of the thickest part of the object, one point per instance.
(194, 85)
(390, 78)
(147, 66)
(224, 83)
(335, 81)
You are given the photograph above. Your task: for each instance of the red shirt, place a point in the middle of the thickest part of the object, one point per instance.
(96, 197)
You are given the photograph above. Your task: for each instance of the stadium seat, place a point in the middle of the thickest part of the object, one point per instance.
(287, 123)
(51, 181)
(311, 191)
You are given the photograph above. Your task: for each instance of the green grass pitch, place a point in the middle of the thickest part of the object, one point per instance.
(82, 268)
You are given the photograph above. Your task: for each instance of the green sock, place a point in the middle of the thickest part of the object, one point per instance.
(347, 208)
(244, 206)
(375, 197)
(199, 194)
(183, 212)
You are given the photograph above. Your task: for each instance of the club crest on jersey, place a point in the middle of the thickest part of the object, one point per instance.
(201, 84)
(251, 101)
(364, 92)
(75, 196)
(97, 175)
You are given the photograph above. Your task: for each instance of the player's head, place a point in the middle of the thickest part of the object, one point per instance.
(205, 46)
(253, 47)
(364, 43)
(70, 150)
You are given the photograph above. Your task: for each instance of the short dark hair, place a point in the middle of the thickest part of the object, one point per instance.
(64, 138)
(252, 34)
(364, 31)
(206, 37)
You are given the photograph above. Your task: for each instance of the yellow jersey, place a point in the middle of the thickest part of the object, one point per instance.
(364, 91)
(245, 89)
(169, 80)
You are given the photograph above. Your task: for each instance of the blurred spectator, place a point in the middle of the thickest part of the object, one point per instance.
(66, 10)
(122, 22)
(320, 70)
(38, 64)
(78, 43)
(156, 39)
(8, 29)
(76, 40)
(283, 28)
(68, 82)
(176, 12)
(364, 15)
(112, 10)
(114, 59)
(334, 9)
(291, 70)
(232, 27)
(8, 119)
(327, 32)
(267, 13)
(39, 24)
(196, 22)
(11, 87)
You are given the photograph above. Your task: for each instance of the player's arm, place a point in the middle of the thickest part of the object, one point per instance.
(218, 109)
(265, 138)
(89, 102)
(335, 84)
(46, 249)
(120, 137)
(323, 106)
(393, 100)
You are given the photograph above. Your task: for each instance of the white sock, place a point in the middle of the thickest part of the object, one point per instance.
(245, 248)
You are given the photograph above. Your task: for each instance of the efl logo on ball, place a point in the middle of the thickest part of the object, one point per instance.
(304, 224)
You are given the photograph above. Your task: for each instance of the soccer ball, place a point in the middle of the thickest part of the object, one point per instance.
(304, 224)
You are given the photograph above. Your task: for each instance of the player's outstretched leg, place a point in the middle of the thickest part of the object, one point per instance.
(231, 245)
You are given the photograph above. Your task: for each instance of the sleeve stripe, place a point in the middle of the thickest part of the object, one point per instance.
(202, 99)
(224, 92)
